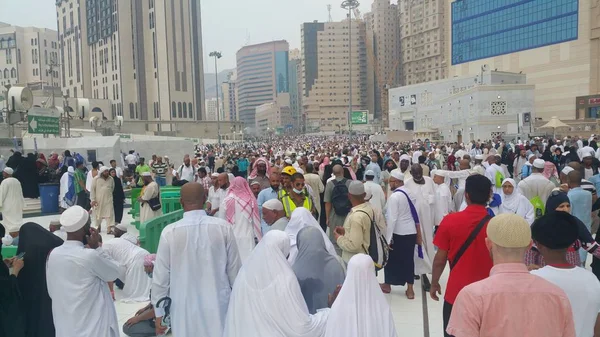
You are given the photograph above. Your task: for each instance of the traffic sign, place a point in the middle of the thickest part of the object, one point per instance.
(359, 117)
(43, 125)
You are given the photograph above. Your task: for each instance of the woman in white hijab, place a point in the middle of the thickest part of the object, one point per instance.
(360, 309)
(318, 272)
(514, 202)
(301, 217)
(266, 299)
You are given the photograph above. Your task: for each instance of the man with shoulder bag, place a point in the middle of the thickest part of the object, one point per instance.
(460, 239)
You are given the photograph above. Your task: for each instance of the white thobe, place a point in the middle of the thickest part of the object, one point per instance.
(443, 202)
(11, 204)
(77, 284)
(64, 188)
(131, 260)
(102, 193)
(146, 213)
(377, 195)
(196, 264)
(425, 196)
(490, 173)
(536, 185)
(243, 229)
(89, 179)
(215, 197)
(461, 175)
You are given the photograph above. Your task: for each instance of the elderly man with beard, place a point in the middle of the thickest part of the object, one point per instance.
(266, 195)
(217, 194)
(260, 173)
(423, 190)
(101, 196)
(404, 166)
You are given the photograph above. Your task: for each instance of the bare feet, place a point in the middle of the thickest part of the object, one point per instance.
(386, 288)
(410, 294)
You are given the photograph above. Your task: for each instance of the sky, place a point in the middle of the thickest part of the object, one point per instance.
(227, 25)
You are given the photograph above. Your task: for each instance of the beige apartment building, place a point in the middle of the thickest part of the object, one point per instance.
(560, 56)
(274, 117)
(213, 109)
(144, 56)
(383, 55)
(424, 40)
(27, 55)
(228, 94)
(326, 73)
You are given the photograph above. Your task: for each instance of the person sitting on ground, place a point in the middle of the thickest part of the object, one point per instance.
(142, 324)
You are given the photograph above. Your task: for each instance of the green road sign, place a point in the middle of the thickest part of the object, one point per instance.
(359, 117)
(124, 136)
(43, 125)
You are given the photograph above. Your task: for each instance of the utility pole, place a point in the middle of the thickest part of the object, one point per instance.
(350, 5)
(217, 55)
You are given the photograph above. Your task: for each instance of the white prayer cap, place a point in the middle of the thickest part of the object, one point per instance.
(397, 174)
(567, 170)
(479, 157)
(299, 170)
(436, 172)
(255, 182)
(71, 169)
(215, 175)
(370, 173)
(587, 151)
(530, 156)
(288, 161)
(539, 163)
(146, 174)
(356, 188)
(74, 218)
(121, 227)
(8, 170)
(273, 205)
(102, 169)
(404, 157)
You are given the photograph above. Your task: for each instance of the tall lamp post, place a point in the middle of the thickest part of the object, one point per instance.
(217, 55)
(350, 5)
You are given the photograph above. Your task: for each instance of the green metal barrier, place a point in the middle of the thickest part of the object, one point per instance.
(170, 205)
(8, 252)
(150, 230)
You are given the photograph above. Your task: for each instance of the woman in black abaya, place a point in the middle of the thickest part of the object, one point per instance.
(12, 322)
(36, 242)
(28, 176)
(118, 196)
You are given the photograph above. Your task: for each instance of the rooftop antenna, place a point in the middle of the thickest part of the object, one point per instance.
(247, 37)
(329, 10)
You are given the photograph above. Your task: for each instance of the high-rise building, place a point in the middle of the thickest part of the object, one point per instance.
(274, 116)
(212, 109)
(326, 65)
(383, 55)
(144, 56)
(26, 56)
(262, 73)
(555, 42)
(228, 91)
(294, 69)
(424, 43)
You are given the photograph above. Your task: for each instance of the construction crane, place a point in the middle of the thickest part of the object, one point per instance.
(383, 82)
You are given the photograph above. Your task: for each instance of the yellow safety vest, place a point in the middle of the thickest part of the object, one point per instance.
(289, 205)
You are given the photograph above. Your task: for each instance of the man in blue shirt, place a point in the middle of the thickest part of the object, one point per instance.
(374, 166)
(242, 165)
(581, 204)
(266, 195)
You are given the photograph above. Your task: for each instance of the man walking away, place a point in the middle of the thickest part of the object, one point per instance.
(206, 256)
(463, 232)
(11, 204)
(511, 301)
(337, 205)
(581, 204)
(553, 235)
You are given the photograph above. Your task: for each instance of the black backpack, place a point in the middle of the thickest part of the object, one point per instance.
(339, 198)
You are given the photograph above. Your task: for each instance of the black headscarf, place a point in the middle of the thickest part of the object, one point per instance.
(12, 321)
(15, 160)
(385, 166)
(28, 176)
(557, 198)
(36, 242)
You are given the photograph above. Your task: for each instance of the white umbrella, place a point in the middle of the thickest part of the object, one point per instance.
(554, 123)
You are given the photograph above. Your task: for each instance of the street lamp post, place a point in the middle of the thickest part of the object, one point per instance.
(217, 55)
(350, 5)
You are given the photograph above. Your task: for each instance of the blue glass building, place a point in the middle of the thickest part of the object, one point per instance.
(487, 28)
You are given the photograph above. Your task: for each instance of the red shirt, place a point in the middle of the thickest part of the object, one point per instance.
(476, 263)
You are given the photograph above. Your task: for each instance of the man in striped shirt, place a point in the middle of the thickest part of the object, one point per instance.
(160, 171)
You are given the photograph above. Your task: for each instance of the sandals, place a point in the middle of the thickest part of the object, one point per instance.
(410, 297)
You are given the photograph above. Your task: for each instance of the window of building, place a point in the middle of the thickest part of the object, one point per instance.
(190, 110)
(179, 110)
(173, 110)
(131, 113)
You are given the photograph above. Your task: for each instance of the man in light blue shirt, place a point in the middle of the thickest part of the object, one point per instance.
(374, 166)
(266, 195)
(581, 204)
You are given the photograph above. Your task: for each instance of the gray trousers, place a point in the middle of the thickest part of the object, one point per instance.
(141, 329)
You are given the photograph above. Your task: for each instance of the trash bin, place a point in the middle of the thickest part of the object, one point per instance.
(49, 198)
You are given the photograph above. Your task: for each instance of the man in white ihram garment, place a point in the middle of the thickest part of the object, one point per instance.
(77, 281)
(11, 203)
(536, 184)
(196, 264)
(101, 196)
(494, 170)
(423, 190)
(443, 198)
(124, 250)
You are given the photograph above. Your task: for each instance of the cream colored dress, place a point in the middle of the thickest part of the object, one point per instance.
(146, 213)
(102, 193)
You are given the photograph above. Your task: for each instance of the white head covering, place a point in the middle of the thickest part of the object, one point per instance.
(266, 297)
(567, 170)
(301, 218)
(215, 175)
(146, 174)
(71, 169)
(273, 204)
(361, 308)
(9, 171)
(102, 169)
(511, 202)
(396, 173)
(539, 163)
(405, 157)
(121, 227)
(74, 218)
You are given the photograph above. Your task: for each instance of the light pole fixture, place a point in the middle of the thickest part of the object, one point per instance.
(217, 55)
(350, 5)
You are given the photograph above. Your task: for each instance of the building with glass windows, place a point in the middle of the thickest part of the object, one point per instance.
(555, 42)
(262, 74)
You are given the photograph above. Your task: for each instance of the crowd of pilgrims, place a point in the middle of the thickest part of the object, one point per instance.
(286, 238)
